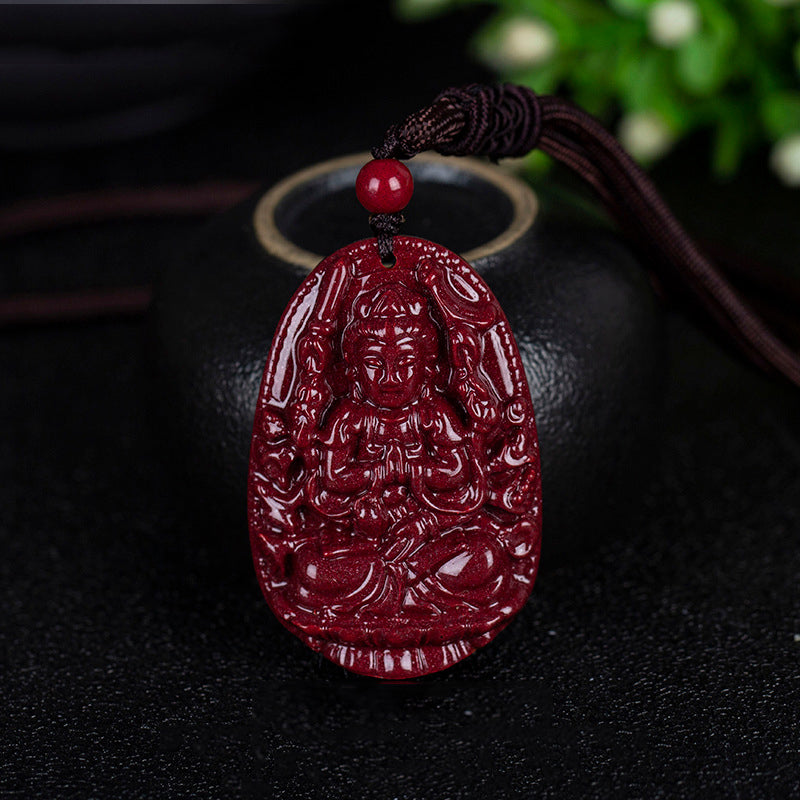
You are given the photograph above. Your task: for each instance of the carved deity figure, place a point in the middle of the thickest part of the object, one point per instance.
(394, 484)
(396, 466)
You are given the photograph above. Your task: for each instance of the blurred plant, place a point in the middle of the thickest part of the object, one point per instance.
(659, 69)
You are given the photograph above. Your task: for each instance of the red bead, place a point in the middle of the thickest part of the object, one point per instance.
(384, 186)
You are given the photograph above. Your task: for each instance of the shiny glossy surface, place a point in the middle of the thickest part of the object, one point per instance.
(394, 491)
(384, 186)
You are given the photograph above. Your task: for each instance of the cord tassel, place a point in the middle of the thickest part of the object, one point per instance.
(509, 121)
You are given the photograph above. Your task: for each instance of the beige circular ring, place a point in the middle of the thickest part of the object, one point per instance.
(523, 201)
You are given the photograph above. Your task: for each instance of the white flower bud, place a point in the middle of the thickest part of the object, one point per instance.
(785, 160)
(672, 22)
(645, 135)
(523, 42)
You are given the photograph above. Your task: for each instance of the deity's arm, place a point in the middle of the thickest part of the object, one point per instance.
(341, 472)
(449, 446)
(450, 469)
(451, 480)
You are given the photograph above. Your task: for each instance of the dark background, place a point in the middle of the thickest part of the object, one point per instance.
(139, 659)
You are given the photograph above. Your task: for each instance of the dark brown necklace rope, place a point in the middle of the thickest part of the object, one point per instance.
(506, 120)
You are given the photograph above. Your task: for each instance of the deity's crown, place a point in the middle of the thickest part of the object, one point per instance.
(390, 303)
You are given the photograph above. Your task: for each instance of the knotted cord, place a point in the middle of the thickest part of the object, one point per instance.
(509, 121)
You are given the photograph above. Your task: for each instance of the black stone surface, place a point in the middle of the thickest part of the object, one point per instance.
(139, 659)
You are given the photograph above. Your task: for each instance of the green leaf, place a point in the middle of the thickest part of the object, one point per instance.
(589, 68)
(537, 163)
(701, 64)
(545, 79)
(721, 23)
(595, 100)
(678, 115)
(644, 83)
(566, 26)
(642, 76)
(729, 142)
(737, 77)
(765, 23)
(579, 12)
(780, 114)
(631, 8)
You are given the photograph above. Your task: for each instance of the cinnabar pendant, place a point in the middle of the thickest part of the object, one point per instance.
(395, 489)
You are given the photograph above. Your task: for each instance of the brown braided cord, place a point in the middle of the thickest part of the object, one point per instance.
(494, 121)
(506, 121)
(386, 227)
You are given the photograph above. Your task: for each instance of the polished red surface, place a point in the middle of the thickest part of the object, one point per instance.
(384, 186)
(394, 490)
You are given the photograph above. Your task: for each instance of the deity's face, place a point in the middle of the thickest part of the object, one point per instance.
(390, 366)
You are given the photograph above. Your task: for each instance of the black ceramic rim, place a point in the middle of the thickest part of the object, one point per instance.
(524, 205)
